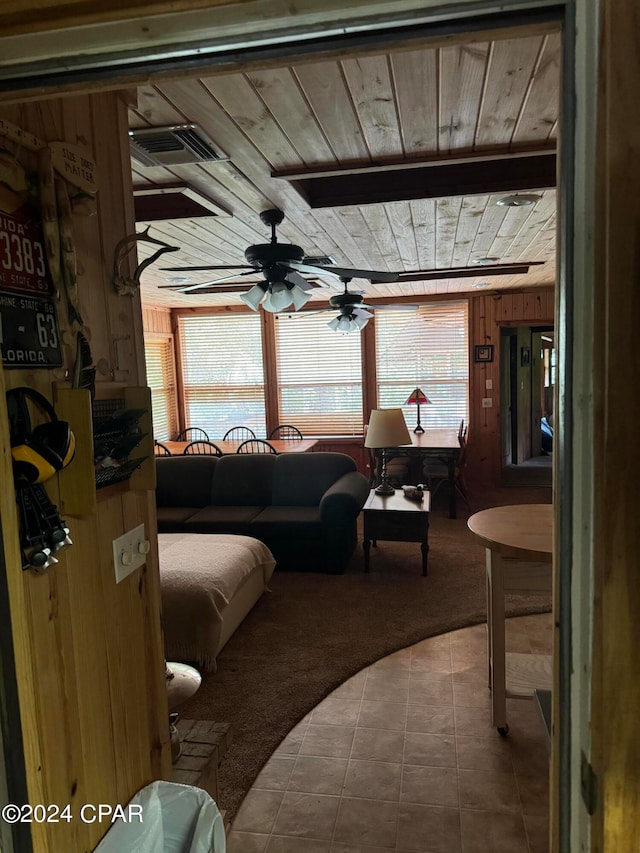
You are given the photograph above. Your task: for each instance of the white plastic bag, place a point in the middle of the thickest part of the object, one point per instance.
(172, 818)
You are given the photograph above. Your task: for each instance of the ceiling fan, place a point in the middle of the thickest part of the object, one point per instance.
(353, 313)
(281, 264)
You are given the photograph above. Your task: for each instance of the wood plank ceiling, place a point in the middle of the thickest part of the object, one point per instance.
(403, 107)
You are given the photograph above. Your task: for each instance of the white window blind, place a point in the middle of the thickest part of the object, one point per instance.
(319, 377)
(222, 374)
(425, 348)
(158, 353)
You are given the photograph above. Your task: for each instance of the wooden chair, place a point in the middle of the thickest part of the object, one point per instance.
(437, 472)
(160, 449)
(239, 433)
(202, 448)
(256, 445)
(285, 431)
(192, 434)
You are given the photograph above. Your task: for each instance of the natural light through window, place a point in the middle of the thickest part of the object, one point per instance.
(427, 348)
(222, 374)
(319, 377)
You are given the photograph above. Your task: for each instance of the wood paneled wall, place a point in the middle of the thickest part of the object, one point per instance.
(487, 314)
(88, 653)
(157, 321)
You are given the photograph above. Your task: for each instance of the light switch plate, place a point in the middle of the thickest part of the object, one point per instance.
(487, 402)
(488, 384)
(129, 552)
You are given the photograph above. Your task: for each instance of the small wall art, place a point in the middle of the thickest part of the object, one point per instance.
(483, 352)
(525, 356)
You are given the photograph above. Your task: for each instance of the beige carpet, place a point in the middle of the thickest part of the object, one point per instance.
(314, 630)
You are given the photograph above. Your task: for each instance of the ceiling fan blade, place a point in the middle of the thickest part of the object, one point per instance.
(295, 278)
(400, 307)
(187, 288)
(343, 272)
(361, 311)
(219, 267)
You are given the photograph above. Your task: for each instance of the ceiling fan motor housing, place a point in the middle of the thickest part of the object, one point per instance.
(268, 256)
(346, 300)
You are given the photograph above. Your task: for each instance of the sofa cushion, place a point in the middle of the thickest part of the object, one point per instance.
(184, 480)
(242, 479)
(287, 522)
(224, 519)
(301, 479)
(171, 519)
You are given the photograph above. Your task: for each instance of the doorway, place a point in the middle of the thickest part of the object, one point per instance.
(527, 382)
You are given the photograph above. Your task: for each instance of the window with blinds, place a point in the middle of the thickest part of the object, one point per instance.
(319, 377)
(426, 348)
(222, 374)
(161, 380)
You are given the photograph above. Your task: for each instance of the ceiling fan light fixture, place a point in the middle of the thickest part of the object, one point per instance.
(360, 322)
(299, 296)
(278, 298)
(254, 297)
(518, 200)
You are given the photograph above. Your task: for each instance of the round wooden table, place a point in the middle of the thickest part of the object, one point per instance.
(519, 548)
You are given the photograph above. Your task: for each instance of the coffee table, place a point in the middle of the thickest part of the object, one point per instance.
(394, 518)
(519, 549)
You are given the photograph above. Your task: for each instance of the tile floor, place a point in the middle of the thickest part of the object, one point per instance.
(403, 757)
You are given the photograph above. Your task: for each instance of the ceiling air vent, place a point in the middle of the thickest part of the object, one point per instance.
(319, 260)
(172, 146)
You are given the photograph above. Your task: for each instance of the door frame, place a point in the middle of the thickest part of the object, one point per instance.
(573, 475)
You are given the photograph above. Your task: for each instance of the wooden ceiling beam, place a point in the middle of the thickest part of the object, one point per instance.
(477, 271)
(475, 176)
(169, 201)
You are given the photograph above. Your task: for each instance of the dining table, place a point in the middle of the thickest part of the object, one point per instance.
(439, 443)
(280, 445)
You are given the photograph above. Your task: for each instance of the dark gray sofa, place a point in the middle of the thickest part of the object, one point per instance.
(303, 506)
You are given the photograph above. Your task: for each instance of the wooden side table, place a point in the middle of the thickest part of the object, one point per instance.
(394, 518)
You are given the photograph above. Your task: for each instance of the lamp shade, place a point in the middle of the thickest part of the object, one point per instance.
(417, 396)
(387, 428)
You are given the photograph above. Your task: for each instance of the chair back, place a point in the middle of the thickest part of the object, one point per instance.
(160, 449)
(285, 431)
(192, 434)
(239, 433)
(256, 445)
(202, 448)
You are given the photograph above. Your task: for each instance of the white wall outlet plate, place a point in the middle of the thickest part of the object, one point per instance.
(487, 402)
(130, 552)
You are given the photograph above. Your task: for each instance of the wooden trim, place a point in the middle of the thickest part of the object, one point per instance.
(177, 352)
(369, 370)
(270, 367)
(616, 675)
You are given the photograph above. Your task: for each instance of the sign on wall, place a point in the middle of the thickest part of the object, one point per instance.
(29, 334)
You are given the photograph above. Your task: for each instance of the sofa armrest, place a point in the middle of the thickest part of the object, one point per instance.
(342, 501)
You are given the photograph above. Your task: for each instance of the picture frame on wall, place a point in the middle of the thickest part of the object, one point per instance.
(525, 356)
(483, 352)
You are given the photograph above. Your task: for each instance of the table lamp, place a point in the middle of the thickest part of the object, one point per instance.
(387, 428)
(416, 397)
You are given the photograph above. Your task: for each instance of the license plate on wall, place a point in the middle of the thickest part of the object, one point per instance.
(29, 333)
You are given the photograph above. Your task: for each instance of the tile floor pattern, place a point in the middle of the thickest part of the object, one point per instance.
(402, 757)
